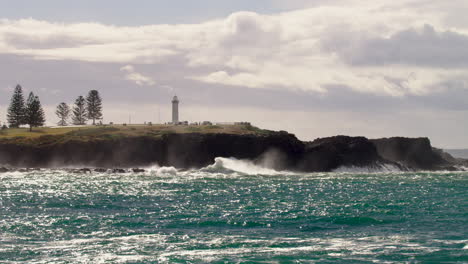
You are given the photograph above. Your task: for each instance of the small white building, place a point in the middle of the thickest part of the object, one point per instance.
(175, 110)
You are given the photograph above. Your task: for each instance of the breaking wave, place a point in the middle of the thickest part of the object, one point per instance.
(379, 168)
(230, 165)
(226, 166)
(462, 168)
(162, 170)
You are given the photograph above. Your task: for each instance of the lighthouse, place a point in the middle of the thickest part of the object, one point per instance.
(175, 110)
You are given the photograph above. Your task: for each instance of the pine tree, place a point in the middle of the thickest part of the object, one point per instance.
(79, 111)
(94, 106)
(63, 112)
(34, 113)
(16, 110)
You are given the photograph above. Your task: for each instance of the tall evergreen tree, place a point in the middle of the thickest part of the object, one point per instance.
(63, 112)
(79, 111)
(34, 113)
(94, 106)
(16, 110)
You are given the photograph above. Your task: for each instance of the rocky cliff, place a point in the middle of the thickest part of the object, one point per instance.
(278, 150)
(415, 153)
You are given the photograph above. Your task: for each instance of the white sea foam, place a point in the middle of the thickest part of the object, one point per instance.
(114, 258)
(224, 165)
(462, 168)
(379, 168)
(122, 249)
(334, 247)
(167, 170)
(156, 169)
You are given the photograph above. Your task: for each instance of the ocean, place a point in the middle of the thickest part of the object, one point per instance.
(233, 212)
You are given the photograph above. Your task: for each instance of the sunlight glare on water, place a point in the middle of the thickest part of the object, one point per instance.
(226, 213)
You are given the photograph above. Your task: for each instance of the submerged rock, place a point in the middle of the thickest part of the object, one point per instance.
(138, 170)
(3, 170)
(82, 170)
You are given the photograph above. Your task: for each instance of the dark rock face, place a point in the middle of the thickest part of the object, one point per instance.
(103, 153)
(414, 153)
(196, 150)
(327, 154)
(451, 159)
(279, 150)
(178, 150)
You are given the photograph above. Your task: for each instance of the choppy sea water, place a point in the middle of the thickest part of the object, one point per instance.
(233, 212)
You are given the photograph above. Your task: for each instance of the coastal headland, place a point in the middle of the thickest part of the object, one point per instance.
(192, 147)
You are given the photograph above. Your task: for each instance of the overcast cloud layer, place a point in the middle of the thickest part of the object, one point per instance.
(395, 63)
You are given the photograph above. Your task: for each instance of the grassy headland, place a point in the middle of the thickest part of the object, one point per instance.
(47, 135)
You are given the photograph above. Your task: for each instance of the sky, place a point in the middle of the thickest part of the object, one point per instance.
(315, 68)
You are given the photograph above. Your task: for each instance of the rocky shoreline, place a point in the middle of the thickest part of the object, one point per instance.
(276, 150)
(77, 170)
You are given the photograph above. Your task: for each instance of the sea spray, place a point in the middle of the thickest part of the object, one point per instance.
(378, 168)
(156, 169)
(226, 165)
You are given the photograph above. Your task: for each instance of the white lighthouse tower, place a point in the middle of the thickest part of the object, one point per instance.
(175, 110)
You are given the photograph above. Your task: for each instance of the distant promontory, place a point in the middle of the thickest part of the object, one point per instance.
(192, 147)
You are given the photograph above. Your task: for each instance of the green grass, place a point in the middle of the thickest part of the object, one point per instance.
(214, 127)
(37, 132)
(257, 130)
(93, 131)
(194, 129)
(47, 135)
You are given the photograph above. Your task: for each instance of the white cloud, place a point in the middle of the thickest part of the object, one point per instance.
(313, 49)
(424, 47)
(138, 78)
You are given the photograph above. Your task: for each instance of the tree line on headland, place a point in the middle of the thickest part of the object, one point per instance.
(31, 113)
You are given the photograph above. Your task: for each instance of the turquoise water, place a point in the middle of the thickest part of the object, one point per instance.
(238, 215)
